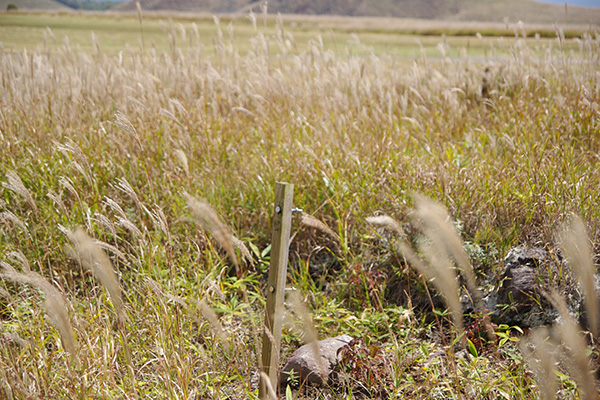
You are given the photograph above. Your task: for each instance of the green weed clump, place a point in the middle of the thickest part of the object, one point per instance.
(153, 293)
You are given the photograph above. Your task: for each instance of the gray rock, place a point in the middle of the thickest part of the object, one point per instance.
(528, 273)
(521, 284)
(312, 368)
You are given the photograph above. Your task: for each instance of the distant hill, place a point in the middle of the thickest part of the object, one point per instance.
(45, 5)
(462, 10)
(582, 3)
(58, 5)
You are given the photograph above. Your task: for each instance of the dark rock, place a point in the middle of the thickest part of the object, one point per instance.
(529, 273)
(307, 368)
(521, 284)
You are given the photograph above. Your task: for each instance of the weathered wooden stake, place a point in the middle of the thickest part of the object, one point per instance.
(282, 222)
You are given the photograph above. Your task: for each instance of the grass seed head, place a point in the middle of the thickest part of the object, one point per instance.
(539, 353)
(435, 265)
(90, 255)
(575, 347)
(213, 319)
(207, 218)
(9, 216)
(15, 184)
(21, 259)
(312, 222)
(54, 303)
(183, 160)
(387, 222)
(436, 225)
(576, 244)
(307, 330)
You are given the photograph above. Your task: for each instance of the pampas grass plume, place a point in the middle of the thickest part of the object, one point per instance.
(437, 227)
(575, 242)
(578, 360)
(92, 257)
(312, 222)
(15, 184)
(54, 303)
(538, 352)
(206, 217)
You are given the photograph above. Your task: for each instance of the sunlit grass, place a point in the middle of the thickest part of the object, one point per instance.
(122, 145)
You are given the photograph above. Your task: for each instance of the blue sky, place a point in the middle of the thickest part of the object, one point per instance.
(584, 3)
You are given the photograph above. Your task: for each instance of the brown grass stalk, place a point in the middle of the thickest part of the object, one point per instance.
(312, 222)
(213, 319)
(271, 394)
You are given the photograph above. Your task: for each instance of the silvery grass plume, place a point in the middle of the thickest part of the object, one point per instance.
(212, 318)
(578, 360)
(19, 257)
(15, 184)
(574, 240)
(207, 218)
(443, 245)
(183, 160)
(437, 269)
(122, 122)
(92, 257)
(435, 223)
(312, 222)
(9, 216)
(243, 249)
(539, 353)
(54, 303)
(387, 222)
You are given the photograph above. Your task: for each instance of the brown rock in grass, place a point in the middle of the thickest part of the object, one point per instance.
(304, 365)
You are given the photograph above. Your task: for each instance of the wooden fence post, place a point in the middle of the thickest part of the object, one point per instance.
(282, 222)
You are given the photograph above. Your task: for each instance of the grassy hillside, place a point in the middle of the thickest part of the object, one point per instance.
(401, 38)
(477, 10)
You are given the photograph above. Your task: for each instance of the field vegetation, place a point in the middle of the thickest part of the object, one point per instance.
(137, 188)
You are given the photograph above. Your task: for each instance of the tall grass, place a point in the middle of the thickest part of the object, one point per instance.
(112, 144)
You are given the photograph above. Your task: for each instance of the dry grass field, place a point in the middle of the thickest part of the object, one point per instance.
(132, 169)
